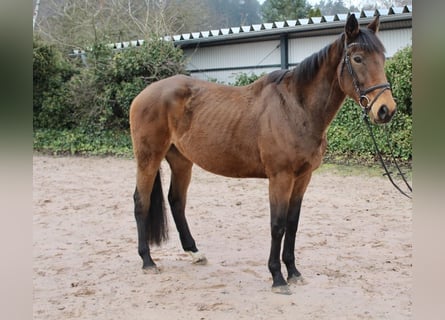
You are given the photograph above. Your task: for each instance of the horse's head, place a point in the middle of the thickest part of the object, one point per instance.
(364, 79)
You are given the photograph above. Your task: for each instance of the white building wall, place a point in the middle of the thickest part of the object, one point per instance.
(394, 40)
(234, 55)
(301, 48)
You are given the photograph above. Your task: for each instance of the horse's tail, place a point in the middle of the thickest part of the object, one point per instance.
(156, 227)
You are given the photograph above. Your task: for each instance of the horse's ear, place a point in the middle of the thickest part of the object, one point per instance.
(374, 25)
(351, 28)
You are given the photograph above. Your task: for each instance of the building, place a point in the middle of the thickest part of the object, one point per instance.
(220, 55)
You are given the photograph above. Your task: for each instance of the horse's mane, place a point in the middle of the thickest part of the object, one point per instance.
(308, 68)
(276, 76)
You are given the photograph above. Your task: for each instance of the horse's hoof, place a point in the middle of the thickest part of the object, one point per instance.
(151, 270)
(282, 290)
(198, 258)
(298, 280)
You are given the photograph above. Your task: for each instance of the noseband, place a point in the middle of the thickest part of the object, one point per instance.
(364, 100)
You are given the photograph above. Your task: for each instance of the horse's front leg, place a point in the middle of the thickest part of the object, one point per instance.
(293, 275)
(280, 189)
(293, 216)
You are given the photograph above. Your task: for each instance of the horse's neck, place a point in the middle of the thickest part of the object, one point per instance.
(333, 103)
(325, 97)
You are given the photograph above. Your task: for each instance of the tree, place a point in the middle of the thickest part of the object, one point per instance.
(77, 24)
(190, 15)
(331, 7)
(74, 24)
(230, 13)
(278, 10)
(314, 12)
(249, 12)
(374, 4)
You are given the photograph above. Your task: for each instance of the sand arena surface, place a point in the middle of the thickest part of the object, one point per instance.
(354, 248)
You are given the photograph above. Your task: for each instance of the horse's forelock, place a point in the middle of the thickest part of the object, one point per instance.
(370, 42)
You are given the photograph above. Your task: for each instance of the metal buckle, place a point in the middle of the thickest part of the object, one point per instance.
(364, 101)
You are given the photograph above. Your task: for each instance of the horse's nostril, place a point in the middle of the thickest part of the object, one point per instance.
(383, 112)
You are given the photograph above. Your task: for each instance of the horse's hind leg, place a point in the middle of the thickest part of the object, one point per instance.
(177, 196)
(149, 214)
(149, 210)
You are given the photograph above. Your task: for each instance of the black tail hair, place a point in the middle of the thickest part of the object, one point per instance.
(157, 228)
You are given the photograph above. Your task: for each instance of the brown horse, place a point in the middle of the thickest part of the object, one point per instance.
(274, 128)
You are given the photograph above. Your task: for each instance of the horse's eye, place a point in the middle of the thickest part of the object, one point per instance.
(358, 59)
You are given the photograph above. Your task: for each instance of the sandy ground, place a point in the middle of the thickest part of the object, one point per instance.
(354, 248)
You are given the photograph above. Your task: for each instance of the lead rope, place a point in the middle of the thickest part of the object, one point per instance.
(387, 172)
(395, 162)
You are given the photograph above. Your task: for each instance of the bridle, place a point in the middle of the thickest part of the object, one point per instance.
(364, 100)
(366, 105)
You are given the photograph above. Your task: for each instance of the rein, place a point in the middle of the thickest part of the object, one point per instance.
(366, 106)
(387, 172)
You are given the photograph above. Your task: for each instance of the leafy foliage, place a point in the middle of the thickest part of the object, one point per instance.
(279, 10)
(348, 135)
(331, 7)
(98, 97)
(225, 13)
(50, 73)
(131, 70)
(83, 110)
(81, 142)
(349, 138)
(399, 74)
(243, 79)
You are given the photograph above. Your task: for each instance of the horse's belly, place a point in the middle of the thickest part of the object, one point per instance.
(230, 162)
(222, 143)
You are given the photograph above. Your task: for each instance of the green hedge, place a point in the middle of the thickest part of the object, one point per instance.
(51, 71)
(348, 137)
(81, 142)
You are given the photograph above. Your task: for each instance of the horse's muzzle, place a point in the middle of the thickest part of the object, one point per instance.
(384, 115)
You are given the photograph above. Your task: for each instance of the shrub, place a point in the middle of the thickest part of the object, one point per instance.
(50, 72)
(349, 138)
(399, 73)
(131, 70)
(98, 96)
(81, 142)
(243, 79)
(84, 109)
